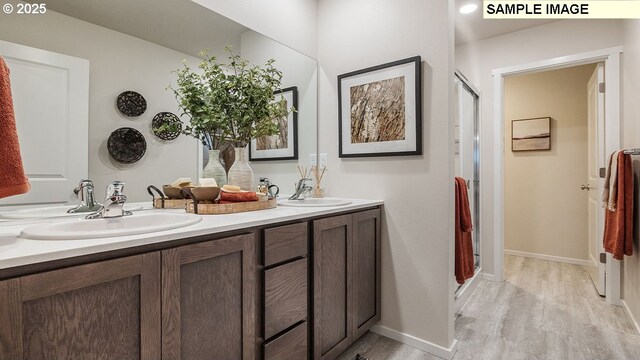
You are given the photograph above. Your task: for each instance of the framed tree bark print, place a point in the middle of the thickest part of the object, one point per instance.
(380, 110)
(284, 145)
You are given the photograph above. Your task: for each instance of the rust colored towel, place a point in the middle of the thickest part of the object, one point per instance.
(464, 248)
(618, 224)
(226, 197)
(12, 178)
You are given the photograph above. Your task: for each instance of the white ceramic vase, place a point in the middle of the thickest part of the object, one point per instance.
(215, 169)
(240, 173)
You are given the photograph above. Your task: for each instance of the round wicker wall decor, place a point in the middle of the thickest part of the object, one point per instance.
(126, 145)
(131, 103)
(166, 118)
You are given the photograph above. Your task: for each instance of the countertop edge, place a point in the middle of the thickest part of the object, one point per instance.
(128, 242)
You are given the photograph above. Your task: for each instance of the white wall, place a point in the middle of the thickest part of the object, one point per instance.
(118, 62)
(544, 208)
(631, 139)
(417, 240)
(477, 60)
(297, 70)
(292, 22)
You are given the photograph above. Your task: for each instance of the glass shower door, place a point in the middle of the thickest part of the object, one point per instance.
(467, 152)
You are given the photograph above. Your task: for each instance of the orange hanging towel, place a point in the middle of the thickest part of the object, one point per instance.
(618, 224)
(12, 178)
(464, 267)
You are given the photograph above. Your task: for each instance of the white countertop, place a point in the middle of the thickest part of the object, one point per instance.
(16, 251)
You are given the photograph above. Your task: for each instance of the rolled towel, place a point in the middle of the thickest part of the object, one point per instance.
(226, 197)
(13, 180)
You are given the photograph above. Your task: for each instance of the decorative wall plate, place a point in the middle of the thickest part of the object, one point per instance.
(167, 118)
(131, 104)
(126, 145)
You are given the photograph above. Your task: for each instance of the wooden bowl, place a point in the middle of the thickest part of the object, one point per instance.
(206, 193)
(172, 192)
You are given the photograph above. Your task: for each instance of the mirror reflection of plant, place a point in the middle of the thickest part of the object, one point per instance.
(233, 102)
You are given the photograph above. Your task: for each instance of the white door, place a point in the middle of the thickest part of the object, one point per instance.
(597, 160)
(51, 100)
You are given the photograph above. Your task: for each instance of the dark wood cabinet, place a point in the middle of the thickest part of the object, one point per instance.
(208, 308)
(366, 271)
(332, 277)
(286, 292)
(304, 290)
(285, 297)
(104, 310)
(346, 280)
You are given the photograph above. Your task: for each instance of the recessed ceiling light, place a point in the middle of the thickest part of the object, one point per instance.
(468, 8)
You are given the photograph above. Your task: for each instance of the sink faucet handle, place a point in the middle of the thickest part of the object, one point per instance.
(115, 188)
(83, 184)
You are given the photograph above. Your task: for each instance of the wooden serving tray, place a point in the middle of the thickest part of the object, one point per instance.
(165, 203)
(218, 209)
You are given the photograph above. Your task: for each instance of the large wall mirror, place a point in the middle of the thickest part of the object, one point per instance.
(69, 65)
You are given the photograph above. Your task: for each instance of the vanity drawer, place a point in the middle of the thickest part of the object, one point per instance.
(291, 345)
(285, 297)
(284, 243)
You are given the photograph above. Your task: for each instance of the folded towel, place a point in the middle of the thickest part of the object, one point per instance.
(618, 223)
(226, 197)
(13, 180)
(610, 190)
(464, 259)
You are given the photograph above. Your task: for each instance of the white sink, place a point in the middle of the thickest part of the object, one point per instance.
(313, 202)
(53, 212)
(101, 228)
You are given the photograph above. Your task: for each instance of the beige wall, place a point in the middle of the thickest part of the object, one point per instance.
(545, 209)
(118, 62)
(631, 139)
(477, 60)
(417, 190)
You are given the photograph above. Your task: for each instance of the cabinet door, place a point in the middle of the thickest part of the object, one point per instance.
(208, 308)
(366, 271)
(105, 310)
(332, 320)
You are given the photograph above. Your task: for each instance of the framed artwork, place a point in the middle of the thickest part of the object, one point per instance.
(283, 146)
(380, 110)
(531, 134)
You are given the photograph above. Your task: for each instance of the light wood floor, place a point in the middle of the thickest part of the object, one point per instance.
(544, 310)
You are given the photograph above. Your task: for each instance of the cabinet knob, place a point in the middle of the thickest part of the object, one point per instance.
(585, 187)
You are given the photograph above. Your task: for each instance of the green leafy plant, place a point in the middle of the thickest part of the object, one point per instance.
(234, 101)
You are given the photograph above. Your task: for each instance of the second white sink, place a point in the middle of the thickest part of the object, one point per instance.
(109, 227)
(315, 202)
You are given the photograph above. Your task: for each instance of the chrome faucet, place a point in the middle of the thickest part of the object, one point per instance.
(113, 203)
(85, 195)
(302, 189)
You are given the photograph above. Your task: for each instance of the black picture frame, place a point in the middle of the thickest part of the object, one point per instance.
(292, 151)
(411, 144)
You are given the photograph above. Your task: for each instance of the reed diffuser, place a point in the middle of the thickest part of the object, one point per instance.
(318, 173)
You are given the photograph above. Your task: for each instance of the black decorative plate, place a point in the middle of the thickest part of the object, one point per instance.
(166, 118)
(126, 145)
(131, 103)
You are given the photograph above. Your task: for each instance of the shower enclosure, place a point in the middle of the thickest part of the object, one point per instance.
(467, 159)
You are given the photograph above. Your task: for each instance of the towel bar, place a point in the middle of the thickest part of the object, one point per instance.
(633, 151)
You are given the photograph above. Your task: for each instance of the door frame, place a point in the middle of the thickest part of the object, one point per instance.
(611, 58)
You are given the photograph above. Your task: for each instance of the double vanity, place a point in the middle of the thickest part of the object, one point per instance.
(286, 283)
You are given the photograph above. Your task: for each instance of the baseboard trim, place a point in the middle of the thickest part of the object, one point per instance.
(548, 257)
(424, 345)
(633, 318)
